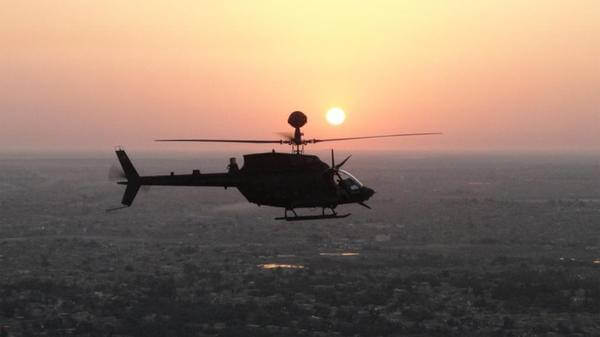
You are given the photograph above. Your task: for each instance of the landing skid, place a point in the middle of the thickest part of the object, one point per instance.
(297, 217)
(312, 217)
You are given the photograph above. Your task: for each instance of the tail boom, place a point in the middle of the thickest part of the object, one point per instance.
(135, 181)
(196, 179)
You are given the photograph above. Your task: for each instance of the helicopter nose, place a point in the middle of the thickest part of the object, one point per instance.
(368, 192)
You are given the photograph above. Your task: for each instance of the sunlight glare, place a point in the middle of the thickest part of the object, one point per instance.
(335, 116)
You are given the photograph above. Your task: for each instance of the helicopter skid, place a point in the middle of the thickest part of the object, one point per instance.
(312, 217)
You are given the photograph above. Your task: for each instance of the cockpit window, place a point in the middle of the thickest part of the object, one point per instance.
(346, 175)
(349, 181)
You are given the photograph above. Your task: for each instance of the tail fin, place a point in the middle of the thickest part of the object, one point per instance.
(133, 178)
(130, 193)
(127, 166)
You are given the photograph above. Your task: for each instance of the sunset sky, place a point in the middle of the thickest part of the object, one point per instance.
(489, 74)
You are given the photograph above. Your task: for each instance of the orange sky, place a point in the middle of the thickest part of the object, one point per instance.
(489, 74)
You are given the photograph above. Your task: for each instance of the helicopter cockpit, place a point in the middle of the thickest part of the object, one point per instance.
(349, 182)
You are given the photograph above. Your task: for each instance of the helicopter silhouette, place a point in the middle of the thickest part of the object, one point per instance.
(287, 180)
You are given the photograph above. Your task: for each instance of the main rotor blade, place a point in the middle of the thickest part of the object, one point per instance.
(226, 141)
(367, 137)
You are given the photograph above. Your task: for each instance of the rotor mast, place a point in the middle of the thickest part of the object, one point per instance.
(297, 120)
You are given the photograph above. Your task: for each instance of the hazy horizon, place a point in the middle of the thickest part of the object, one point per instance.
(205, 156)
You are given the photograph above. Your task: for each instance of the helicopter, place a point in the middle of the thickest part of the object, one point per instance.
(286, 180)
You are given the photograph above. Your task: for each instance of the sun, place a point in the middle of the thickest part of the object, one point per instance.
(335, 116)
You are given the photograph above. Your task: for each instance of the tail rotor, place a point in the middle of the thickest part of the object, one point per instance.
(116, 173)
